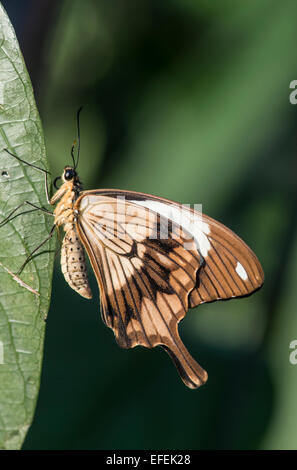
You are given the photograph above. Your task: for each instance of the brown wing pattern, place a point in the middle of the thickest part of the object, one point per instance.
(144, 279)
(150, 271)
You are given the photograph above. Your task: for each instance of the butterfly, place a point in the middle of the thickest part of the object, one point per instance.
(153, 259)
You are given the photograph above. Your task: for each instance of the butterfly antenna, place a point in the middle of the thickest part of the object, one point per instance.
(75, 142)
(72, 153)
(78, 136)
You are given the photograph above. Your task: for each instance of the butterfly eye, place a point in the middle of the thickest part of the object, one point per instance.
(69, 174)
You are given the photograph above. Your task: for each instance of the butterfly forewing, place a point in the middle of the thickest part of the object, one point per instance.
(231, 268)
(154, 259)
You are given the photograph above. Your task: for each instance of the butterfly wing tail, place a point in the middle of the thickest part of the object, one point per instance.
(191, 373)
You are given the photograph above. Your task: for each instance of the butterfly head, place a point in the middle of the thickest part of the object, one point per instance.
(69, 174)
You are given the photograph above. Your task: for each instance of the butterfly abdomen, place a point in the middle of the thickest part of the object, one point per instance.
(73, 264)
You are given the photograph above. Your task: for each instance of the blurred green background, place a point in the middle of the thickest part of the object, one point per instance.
(186, 99)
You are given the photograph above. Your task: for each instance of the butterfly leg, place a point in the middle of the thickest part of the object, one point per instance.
(46, 173)
(11, 216)
(46, 187)
(30, 257)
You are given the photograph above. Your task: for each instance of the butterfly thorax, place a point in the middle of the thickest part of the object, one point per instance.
(64, 211)
(73, 262)
(67, 194)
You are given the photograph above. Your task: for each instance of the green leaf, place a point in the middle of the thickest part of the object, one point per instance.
(22, 311)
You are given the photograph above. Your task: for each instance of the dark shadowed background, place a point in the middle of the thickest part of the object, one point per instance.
(188, 100)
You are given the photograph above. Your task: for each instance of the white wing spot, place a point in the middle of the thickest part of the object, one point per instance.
(241, 271)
